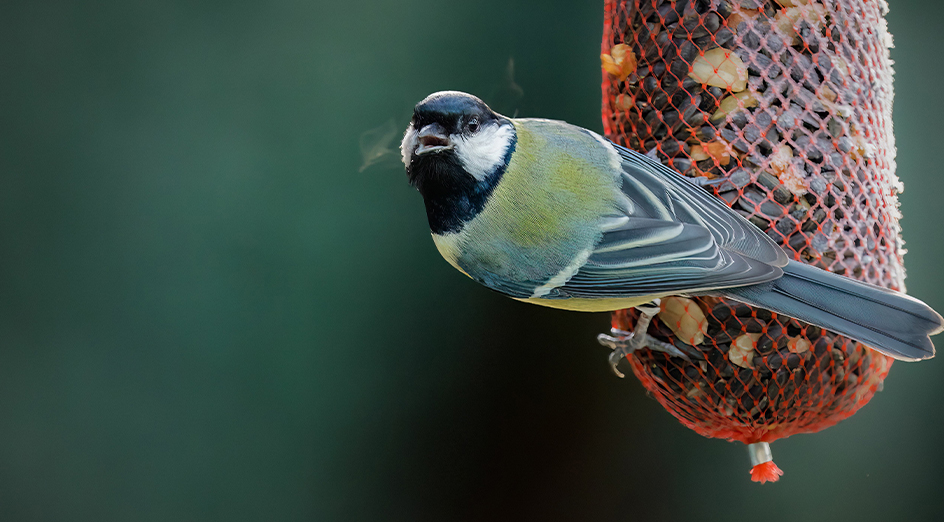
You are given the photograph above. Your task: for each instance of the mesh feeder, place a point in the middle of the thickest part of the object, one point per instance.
(784, 107)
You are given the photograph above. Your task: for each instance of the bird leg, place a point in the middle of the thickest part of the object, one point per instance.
(624, 343)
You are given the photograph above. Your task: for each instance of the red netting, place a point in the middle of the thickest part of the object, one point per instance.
(785, 105)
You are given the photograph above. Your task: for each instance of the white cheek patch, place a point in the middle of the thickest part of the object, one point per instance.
(407, 145)
(481, 153)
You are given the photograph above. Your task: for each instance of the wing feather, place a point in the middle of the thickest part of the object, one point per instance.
(729, 229)
(674, 238)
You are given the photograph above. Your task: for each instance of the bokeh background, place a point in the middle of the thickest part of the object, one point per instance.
(209, 310)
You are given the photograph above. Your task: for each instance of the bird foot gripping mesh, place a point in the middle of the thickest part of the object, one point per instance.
(783, 107)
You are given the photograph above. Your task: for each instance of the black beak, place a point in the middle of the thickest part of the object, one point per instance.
(432, 138)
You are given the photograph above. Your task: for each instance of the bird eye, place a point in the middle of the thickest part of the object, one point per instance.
(473, 124)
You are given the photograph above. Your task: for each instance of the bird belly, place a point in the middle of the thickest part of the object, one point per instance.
(591, 305)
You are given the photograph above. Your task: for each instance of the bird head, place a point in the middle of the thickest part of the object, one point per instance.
(455, 139)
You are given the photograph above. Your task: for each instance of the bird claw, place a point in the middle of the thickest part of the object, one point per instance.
(614, 359)
(625, 343)
(621, 342)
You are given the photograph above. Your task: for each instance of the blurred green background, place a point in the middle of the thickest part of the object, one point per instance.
(207, 312)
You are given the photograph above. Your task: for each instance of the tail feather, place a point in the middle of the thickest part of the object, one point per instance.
(891, 322)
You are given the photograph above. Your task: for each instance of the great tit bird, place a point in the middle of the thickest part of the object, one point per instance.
(553, 214)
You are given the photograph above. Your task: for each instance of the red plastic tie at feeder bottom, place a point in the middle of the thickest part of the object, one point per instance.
(764, 469)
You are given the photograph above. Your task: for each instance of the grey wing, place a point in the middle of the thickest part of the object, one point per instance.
(695, 205)
(673, 237)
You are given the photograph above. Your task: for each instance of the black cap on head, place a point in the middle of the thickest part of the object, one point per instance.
(451, 109)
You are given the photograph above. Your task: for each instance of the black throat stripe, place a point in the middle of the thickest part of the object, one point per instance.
(452, 196)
